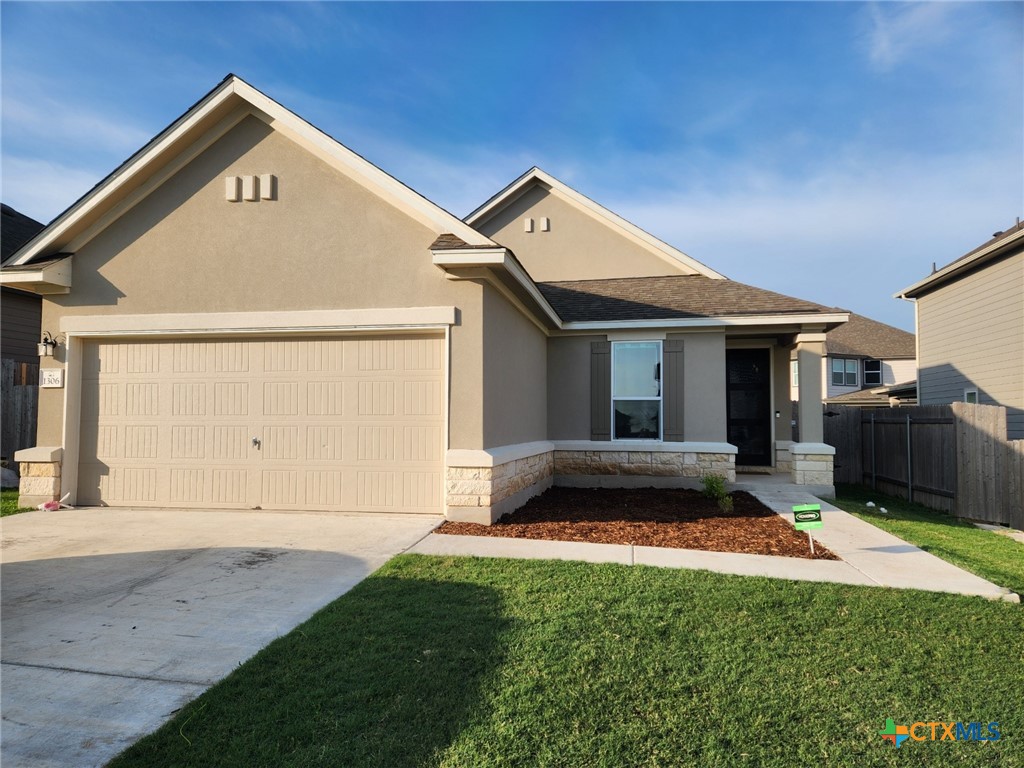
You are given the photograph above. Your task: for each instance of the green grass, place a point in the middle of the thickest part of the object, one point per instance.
(9, 502)
(474, 662)
(997, 558)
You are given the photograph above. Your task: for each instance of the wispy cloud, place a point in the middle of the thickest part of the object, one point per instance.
(42, 189)
(899, 30)
(61, 122)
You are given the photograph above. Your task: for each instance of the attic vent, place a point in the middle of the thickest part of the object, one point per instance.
(528, 224)
(545, 224)
(252, 188)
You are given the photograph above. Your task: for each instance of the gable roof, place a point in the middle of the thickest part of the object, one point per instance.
(675, 297)
(535, 176)
(211, 117)
(999, 244)
(16, 229)
(864, 337)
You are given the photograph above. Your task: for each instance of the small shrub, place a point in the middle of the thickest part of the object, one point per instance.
(725, 504)
(714, 487)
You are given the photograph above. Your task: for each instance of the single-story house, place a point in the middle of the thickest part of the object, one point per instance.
(970, 328)
(252, 315)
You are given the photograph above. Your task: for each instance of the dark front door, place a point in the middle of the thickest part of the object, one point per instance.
(748, 405)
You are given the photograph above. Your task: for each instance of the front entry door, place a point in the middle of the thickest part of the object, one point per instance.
(749, 409)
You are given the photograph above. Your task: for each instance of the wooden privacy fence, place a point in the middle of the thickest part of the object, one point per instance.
(950, 457)
(19, 393)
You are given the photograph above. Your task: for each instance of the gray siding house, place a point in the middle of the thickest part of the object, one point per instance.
(19, 310)
(970, 329)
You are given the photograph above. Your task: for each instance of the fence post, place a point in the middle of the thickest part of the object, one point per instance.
(910, 466)
(874, 482)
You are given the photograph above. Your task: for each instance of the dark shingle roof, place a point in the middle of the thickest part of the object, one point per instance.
(663, 298)
(994, 239)
(17, 229)
(864, 337)
(449, 242)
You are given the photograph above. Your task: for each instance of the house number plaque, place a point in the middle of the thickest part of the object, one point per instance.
(51, 378)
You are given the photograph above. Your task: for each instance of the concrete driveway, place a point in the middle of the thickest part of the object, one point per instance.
(111, 620)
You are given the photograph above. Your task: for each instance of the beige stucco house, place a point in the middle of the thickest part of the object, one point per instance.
(970, 328)
(252, 315)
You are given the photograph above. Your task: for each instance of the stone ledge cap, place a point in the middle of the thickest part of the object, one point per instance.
(40, 454)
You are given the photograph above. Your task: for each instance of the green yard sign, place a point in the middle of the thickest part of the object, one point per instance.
(807, 516)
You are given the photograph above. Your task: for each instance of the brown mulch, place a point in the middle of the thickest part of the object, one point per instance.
(677, 518)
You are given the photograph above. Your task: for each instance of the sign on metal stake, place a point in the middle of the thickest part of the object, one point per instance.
(805, 518)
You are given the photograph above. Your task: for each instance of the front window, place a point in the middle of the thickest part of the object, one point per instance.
(795, 373)
(844, 372)
(872, 373)
(636, 390)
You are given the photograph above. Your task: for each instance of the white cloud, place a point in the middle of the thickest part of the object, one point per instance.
(43, 189)
(899, 30)
(46, 119)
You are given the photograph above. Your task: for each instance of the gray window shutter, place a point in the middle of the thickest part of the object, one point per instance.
(600, 390)
(672, 390)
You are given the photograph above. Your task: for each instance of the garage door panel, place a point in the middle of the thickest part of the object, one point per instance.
(341, 423)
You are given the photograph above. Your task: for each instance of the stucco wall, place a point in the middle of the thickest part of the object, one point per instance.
(578, 247)
(326, 242)
(703, 386)
(514, 375)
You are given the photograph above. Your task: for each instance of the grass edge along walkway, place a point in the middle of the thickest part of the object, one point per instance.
(997, 558)
(447, 661)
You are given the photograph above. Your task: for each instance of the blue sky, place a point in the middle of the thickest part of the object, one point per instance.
(830, 151)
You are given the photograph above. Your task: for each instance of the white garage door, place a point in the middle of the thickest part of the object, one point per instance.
(325, 423)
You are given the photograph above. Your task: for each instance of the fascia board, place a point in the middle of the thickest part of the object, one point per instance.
(708, 322)
(956, 267)
(49, 279)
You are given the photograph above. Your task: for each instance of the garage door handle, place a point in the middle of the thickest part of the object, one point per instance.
(256, 443)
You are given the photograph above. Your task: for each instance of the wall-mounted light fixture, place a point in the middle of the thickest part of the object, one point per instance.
(46, 347)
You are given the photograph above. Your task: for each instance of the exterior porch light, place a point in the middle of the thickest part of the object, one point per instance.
(46, 347)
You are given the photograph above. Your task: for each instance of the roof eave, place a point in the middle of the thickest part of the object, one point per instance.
(53, 277)
(958, 267)
(726, 321)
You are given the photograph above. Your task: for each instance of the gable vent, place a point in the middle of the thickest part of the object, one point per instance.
(250, 188)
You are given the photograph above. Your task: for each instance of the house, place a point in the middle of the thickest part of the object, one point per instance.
(970, 329)
(861, 356)
(252, 315)
(19, 334)
(19, 310)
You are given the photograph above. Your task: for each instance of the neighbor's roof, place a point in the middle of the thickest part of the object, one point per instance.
(864, 337)
(16, 229)
(993, 248)
(662, 298)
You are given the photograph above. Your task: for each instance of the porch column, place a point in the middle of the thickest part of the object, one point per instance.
(810, 348)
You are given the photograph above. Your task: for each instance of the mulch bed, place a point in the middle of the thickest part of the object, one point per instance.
(678, 518)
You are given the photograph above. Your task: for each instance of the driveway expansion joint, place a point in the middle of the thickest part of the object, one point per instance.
(148, 678)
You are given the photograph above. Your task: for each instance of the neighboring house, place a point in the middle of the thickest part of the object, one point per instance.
(863, 355)
(19, 310)
(19, 334)
(252, 315)
(970, 329)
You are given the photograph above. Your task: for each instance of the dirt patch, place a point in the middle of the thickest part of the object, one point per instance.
(677, 518)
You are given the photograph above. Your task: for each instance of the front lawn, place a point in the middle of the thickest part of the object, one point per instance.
(997, 558)
(476, 662)
(9, 502)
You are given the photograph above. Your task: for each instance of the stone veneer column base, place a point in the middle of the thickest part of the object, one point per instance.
(813, 464)
(40, 475)
(482, 494)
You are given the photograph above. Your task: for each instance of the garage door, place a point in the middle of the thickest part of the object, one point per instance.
(325, 423)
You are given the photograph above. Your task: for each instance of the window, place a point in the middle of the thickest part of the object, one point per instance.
(872, 373)
(794, 373)
(636, 390)
(971, 396)
(844, 372)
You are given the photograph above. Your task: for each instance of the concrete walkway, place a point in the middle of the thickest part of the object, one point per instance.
(870, 556)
